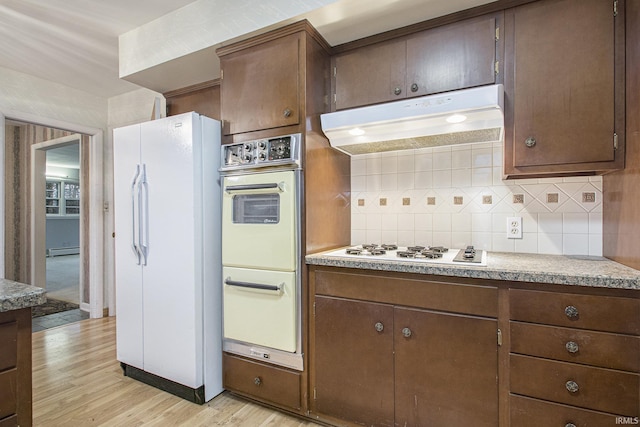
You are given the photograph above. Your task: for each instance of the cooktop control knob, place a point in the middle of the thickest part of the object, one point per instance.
(247, 158)
(262, 156)
(248, 146)
(469, 252)
(262, 145)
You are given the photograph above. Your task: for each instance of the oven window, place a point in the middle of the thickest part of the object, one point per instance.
(256, 209)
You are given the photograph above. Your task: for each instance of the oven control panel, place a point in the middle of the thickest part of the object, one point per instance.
(281, 150)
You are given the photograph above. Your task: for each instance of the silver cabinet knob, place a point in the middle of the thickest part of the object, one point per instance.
(397, 91)
(379, 327)
(569, 425)
(406, 332)
(572, 386)
(530, 142)
(287, 112)
(572, 347)
(257, 381)
(414, 87)
(571, 312)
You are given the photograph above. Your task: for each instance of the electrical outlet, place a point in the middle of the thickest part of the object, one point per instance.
(514, 227)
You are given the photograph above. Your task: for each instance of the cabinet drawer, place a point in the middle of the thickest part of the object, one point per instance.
(610, 314)
(527, 412)
(264, 382)
(8, 390)
(601, 349)
(600, 389)
(411, 292)
(9, 340)
(12, 421)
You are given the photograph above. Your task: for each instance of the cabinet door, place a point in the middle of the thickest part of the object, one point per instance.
(353, 361)
(259, 88)
(446, 369)
(451, 57)
(560, 82)
(370, 75)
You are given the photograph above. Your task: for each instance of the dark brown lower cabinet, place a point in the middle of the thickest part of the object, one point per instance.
(445, 370)
(354, 361)
(271, 384)
(383, 365)
(573, 359)
(528, 412)
(15, 368)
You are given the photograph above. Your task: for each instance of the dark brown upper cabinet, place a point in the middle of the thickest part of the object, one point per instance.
(451, 57)
(203, 98)
(260, 87)
(564, 88)
(370, 75)
(440, 59)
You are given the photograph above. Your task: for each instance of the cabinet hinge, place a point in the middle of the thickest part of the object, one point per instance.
(497, 33)
(615, 8)
(314, 393)
(497, 67)
(615, 141)
(499, 338)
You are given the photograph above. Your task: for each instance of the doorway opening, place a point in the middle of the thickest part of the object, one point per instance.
(62, 228)
(35, 196)
(62, 220)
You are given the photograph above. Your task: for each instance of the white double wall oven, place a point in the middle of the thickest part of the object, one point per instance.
(261, 199)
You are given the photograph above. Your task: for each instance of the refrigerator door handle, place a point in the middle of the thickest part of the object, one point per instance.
(134, 245)
(143, 235)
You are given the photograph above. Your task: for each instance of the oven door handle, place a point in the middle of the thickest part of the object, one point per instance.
(254, 286)
(249, 187)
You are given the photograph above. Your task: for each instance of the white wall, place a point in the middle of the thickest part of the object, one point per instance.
(63, 232)
(410, 179)
(32, 96)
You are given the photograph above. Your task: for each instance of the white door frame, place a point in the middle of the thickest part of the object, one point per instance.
(96, 199)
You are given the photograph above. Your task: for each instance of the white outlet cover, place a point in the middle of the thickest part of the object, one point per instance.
(514, 227)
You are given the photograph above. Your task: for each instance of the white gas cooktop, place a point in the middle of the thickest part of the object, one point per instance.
(412, 254)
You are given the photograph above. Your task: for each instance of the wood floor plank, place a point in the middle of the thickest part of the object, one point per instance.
(77, 381)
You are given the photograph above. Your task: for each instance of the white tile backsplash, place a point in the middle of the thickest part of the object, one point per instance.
(569, 226)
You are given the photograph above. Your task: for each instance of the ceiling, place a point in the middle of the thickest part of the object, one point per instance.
(75, 42)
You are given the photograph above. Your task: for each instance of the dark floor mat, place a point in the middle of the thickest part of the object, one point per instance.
(52, 306)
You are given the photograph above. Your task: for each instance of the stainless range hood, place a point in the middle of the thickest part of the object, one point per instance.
(460, 117)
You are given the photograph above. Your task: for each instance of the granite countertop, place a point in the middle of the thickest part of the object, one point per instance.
(14, 295)
(516, 267)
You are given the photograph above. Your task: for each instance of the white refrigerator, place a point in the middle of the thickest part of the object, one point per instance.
(168, 254)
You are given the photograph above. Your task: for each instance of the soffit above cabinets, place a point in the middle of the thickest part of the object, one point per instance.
(76, 42)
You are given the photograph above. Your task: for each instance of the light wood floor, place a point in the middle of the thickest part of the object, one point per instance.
(78, 382)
